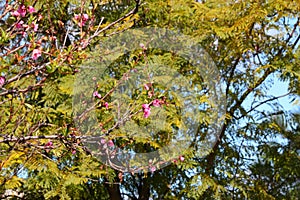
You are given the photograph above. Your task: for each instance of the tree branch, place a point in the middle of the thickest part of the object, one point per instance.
(263, 102)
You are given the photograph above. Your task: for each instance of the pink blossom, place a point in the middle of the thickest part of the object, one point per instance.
(96, 94)
(31, 9)
(40, 17)
(85, 17)
(147, 113)
(49, 144)
(22, 10)
(81, 19)
(152, 169)
(143, 46)
(106, 105)
(73, 151)
(147, 110)
(110, 143)
(82, 23)
(145, 106)
(77, 17)
(35, 27)
(156, 103)
(103, 141)
(15, 14)
(20, 24)
(2, 81)
(36, 53)
(150, 94)
(146, 86)
(181, 158)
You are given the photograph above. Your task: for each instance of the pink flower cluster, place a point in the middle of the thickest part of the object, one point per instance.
(81, 19)
(35, 26)
(180, 158)
(2, 81)
(106, 105)
(156, 103)
(21, 25)
(49, 144)
(97, 95)
(152, 169)
(36, 53)
(22, 11)
(146, 86)
(109, 143)
(147, 108)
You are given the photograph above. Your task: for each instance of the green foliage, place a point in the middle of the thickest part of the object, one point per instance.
(253, 44)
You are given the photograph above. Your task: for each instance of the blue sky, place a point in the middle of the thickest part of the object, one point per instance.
(280, 88)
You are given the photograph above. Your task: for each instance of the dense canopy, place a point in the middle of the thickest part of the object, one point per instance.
(70, 105)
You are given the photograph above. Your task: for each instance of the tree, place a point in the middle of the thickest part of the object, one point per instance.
(42, 44)
(237, 35)
(252, 44)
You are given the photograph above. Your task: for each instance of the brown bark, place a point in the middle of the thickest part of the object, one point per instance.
(144, 190)
(114, 192)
